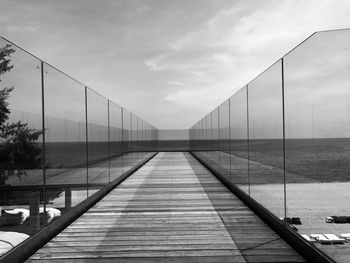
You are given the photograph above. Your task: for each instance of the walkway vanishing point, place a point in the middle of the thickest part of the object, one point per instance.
(171, 210)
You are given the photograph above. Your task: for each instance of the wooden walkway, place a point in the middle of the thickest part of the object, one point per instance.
(171, 210)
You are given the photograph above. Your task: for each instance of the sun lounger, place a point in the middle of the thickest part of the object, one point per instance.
(346, 236)
(335, 239)
(329, 219)
(321, 239)
(292, 220)
(328, 239)
(307, 238)
(338, 219)
(9, 240)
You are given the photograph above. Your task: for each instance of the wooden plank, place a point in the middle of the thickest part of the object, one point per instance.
(171, 210)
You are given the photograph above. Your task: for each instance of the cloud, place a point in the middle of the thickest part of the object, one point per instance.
(223, 58)
(198, 74)
(203, 51)
(153, 64)
(175, 83)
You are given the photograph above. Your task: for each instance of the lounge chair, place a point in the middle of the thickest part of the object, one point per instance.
(307, 238)
(346, 236)
(292, 220)
(335, 239)
(321, 239)
(338, 219)
(9, 240)
(329, 219)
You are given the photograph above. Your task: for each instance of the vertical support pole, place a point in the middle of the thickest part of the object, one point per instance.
(130, 140)
(284, 143)
(229, 133)
(206, 136)
(86, 142)
(67, 198)
(123, 150)
(218, 144)
(248, 139)
(34, 219)
(44, 137)
(109, 144)
(211, 134)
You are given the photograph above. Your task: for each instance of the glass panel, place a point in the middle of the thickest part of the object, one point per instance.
(65, 148)
(205, 134)
(317, 111)
(126, 140)
(116, 140)
(21, 140)
(224, 139)
(140, 138)
(199, 139)
(190, 132)
(209, 137)
(134, 138)
(98, 151)
(214, 155)
(239, 140)
(265, 140)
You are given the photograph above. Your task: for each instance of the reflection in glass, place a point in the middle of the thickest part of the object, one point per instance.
(266, 139)
(98, 148)
(239, 140)
(214, 155)
(317, 120)
(65, 138)
(21, 147)
(224, 139)
(126, 140)
(116, 141)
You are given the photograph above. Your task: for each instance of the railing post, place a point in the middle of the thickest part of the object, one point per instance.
(248, 140)
(109, 145)
(86, 142)
(284, 142)
(34, 218)
(43, 136)
(67, 198)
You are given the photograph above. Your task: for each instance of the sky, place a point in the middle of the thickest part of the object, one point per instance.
(168, 61)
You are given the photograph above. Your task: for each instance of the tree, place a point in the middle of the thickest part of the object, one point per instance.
(5, 66)
(19, 149)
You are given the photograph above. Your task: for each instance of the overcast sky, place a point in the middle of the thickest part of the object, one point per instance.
(168, 61)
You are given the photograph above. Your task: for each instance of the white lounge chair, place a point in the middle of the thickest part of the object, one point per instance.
(329, 219)
(335, 239)
(9, 240)
(307, 238)
(346, 236)
(321, 239)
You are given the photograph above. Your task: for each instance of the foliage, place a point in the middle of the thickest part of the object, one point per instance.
(5, 54)
(19, 149)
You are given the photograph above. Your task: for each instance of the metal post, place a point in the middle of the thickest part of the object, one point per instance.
(44, 138)
(284, 143)
(86, 142)
(67, 198)
(122, 116)
(248, 140)
(109, 145)
(229, 133)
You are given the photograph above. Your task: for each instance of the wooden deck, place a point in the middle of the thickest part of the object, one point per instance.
(171, 210)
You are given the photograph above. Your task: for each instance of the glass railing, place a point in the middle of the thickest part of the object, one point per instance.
(60, 142)
(284, 139)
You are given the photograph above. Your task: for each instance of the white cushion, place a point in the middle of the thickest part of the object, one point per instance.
(51, 214)
(8, 240)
